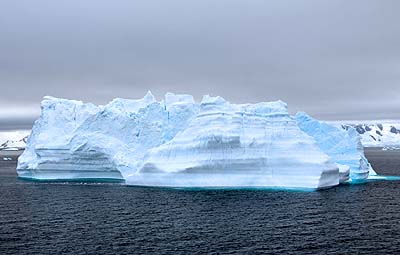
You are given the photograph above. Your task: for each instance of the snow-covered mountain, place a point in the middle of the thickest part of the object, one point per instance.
(13, 140)
(378, 133)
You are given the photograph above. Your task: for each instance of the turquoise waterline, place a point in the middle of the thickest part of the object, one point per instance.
(90, 180)
(107, 180)
(226, 188)
(383, 178)
(373, 178)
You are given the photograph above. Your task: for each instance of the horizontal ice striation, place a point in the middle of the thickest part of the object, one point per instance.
(343, 146)
(238, 145)
(180, 143)
(116, 136)
(62, 164)
(47, 154)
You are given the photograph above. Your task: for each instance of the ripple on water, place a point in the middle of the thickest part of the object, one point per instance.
(75, 218)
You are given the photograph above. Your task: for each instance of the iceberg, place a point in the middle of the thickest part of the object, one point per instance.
(177, 142)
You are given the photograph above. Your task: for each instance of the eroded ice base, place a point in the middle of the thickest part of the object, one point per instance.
(62, 164)
(214, 179)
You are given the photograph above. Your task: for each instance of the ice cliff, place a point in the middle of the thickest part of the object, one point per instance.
(178, 142)
(73, 140)
(343, 146)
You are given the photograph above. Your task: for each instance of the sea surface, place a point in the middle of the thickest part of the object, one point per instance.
(95, 218)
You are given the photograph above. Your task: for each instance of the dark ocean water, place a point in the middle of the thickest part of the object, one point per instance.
(71, 218)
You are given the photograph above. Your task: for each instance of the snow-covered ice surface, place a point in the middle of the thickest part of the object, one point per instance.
(180, 143)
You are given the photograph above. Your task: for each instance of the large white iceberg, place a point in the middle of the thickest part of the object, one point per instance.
(180, 143)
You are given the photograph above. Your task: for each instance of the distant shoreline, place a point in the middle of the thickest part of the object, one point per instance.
(11, 153)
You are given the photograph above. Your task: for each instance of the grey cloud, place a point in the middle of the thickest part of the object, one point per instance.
(333, 59)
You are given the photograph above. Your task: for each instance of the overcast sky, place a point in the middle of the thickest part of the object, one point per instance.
(333, 59)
